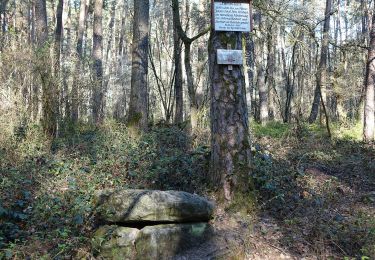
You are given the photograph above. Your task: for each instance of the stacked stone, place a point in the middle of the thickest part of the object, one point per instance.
(149, 224)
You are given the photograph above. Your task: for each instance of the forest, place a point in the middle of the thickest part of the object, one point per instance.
(141, 129)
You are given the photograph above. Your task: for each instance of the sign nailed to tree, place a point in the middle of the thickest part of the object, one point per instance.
(231, 16)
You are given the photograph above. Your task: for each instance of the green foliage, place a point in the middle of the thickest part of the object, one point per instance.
(348, 131)
(272, 129)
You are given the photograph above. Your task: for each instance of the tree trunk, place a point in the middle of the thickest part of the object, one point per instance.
(49, 96)
(230, 141)
(97, 53)
(263, 96)
(194, 106)
(249, 55)
(178, 90)
(79, 49)
(138, 108)
(369, 111)
(56, 59)
(321, 77)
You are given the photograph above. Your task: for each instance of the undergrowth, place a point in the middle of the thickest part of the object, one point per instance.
(46, 197)
(318, 189)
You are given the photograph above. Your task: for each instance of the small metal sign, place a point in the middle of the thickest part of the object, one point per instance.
(229, 57)
(231, 16)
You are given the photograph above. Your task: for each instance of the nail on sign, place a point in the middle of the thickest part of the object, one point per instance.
(233, 17)
(229, 57)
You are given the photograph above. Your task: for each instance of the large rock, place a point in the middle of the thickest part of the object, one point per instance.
(167, 241)
(152, 242)
(134, 206)
(114, 242)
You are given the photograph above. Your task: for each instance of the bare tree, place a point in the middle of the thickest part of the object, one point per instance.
(321, 77)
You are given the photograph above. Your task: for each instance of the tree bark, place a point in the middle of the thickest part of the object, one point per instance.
(49, 95)
(178, 90)
(249, 55)
(230, 141)
(79, 50)
(369, 111)
(138, 108)
(97, 53)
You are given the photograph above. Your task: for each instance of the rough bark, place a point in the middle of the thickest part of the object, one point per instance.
(369, 111)
(138, 107)
(97, 54)
(230, 142)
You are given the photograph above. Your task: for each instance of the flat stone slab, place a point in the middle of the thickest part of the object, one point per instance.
(152, 242)
(144, 206)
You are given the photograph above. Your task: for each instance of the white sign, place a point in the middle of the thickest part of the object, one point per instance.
(233, 17)
(229, 57)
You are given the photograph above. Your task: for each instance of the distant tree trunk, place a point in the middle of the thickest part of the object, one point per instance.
(58, 34)
(57, 53)
(369, 111)
(66, 52)
(178, 90)
(321, 77)
(138, 107)
(270, 72)
(249, 46)
(262, 87)
(79, 49)
(49, 96)
(230, 141)
(194, 106)
(263, 95)
(97, 54)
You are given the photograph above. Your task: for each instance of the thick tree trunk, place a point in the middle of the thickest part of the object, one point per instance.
(97, 54)
(230, 141)
(138, 108)
(321, 77)
(369, 111)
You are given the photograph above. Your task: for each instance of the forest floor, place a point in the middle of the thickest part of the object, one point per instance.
(315, 196)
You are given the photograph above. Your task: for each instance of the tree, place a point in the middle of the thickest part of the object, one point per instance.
(97, 53)
(321, 76)
(138, 107)
(230, 141)
(79, 51)
(49, 88)
(178, 90)
(194, 106)
(369, 111)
